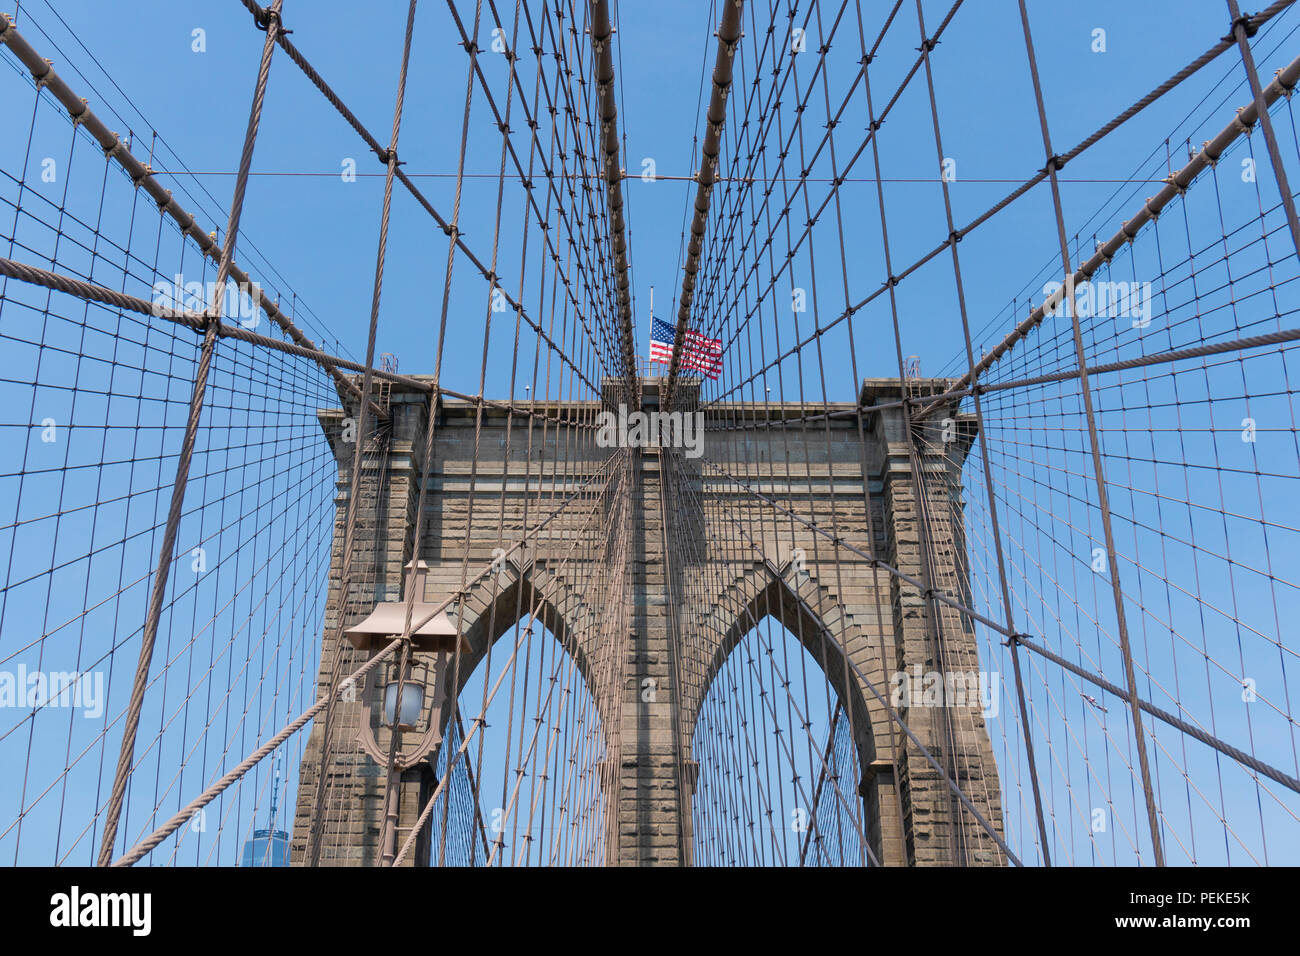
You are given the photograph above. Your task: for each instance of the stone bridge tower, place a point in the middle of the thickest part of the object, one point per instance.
(711, 552)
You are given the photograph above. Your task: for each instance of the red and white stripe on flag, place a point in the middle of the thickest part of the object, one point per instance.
(699, 353)
(702, 354)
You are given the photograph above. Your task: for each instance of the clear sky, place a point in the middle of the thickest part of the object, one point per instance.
(319, 232)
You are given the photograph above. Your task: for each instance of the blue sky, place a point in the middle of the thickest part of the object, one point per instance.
(198, 102)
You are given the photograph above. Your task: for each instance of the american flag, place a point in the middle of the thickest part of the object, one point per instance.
(699, 353)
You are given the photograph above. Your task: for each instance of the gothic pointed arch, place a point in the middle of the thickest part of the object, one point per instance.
(498, 602)
(813, 615)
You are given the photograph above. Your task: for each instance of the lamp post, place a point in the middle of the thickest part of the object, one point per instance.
(413, 689)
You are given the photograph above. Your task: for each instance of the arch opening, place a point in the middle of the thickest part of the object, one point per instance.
(780, 737)
(525, 741)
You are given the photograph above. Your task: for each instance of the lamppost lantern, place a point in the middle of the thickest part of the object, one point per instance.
(412, 704)
(432, 646)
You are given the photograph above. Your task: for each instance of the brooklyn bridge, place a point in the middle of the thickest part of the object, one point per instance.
(357, 508)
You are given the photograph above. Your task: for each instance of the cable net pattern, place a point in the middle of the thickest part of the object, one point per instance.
(1030, 607)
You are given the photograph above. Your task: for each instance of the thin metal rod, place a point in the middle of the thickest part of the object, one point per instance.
(131, 726)
(987, 466)
(1141, 361)
(137, 852)
(212, 792)
(394, 773)
(775, 573)
(1015, 194)
(602, 43)
(715, 119)
(537, 603)
(448, 227)
(1176, 185)
(1215, 742)
(927, 592)
(143, 177)
(1098, 465)
(1243, 758)
(198, 321)
(1240, 31)
(1159, 358)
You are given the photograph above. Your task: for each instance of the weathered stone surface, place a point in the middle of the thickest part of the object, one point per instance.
(701, 573)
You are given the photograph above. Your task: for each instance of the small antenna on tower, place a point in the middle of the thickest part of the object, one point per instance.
(275, 794)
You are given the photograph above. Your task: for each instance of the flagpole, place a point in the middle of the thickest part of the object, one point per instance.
(652, 322)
